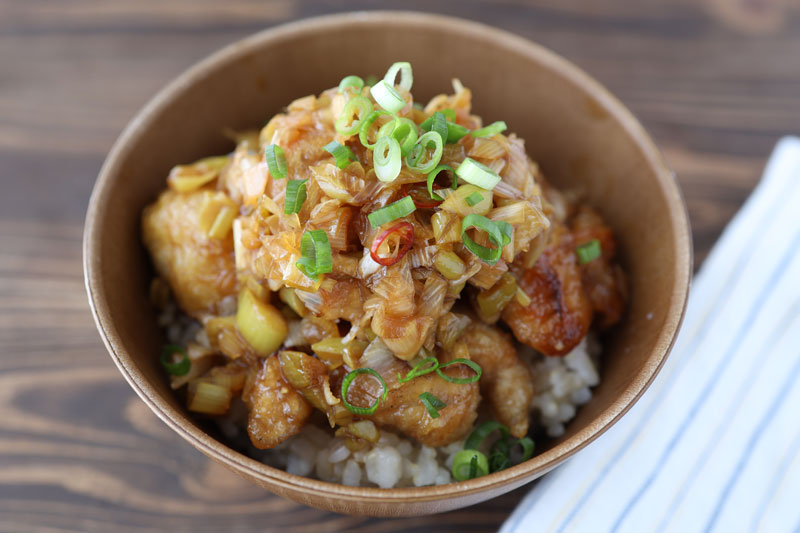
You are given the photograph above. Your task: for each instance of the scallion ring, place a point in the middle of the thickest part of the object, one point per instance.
(387, 97)
(432, 404)
(315, 252)
(461, 381)
(469, 464)
(404, 131)
(387, 159)
(351, 81)
(343, 155)
(422, 158)
(406, 75)
(182, 367)
(477, 174)
(426, 366)
(454, 131)
(474, 198)
(492, 129)
(439, 125)
(295, 196)
(276, 161)
(366, 126)
(433, 174)
(480, 433)
(355, 111)
(499, 233)
(348, 380)
(399, 209)
(449, 113)
(589, 251)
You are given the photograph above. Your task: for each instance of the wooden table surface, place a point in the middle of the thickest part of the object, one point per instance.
(716, 82)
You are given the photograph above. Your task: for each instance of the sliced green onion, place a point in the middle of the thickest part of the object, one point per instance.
(341, 153)
(461, 381)
(403, 130)
(474, 198)
(432, 177)
(416, 160)
(449, 113)
(348, 380)
(366, 125)
(359, 107)
(469, 464)
(399, 209)
(276, 161)
(480, 433)
(316, 254)
(387, 97)
(432, 404)
(418, 106)
(499, 232)
(527, 448)
(182, 367)
(500, 455)
(387, 159)
(454, 131)
(406, 75)
(426, 366)
(492, 129)
(295, 196)
(351, 81)
(439, 125)
(477, 174)
(589, 251)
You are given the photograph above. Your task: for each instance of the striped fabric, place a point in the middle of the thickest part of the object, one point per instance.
(714, 444)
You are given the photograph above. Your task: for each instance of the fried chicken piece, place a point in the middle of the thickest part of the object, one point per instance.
(277, 411)
(199, 269)
(506, 382)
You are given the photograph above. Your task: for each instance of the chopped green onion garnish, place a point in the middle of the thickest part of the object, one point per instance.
(316, 254)
(366, 125)
(421, 158)
(432, 177)
(527, 448)
(295, 196)
(406, 75)
(472, 364)
(492, 129)
(403, 130)
(418, 106)
(477, 174)
(469, 464)
(432, 404)
(182, 367)
(351, 81)
(341, 153)
(348, 380)
(355, 111)
(480, 433)
(426, 366)
(474, 198)
(387, 97)
(387, 159)
(454, 131)
(399, 209)
(276, 161)
(500, 456)
(449, 113)
(589, 251)
(499, 232)
(439, 125)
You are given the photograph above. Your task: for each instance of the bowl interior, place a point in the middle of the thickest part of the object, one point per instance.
(579, 134)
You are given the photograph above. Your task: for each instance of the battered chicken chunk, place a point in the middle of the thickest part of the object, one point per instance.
(506, 381)
(277, 411)
(200, 269)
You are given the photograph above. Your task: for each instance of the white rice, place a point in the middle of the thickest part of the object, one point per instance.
(561, 385)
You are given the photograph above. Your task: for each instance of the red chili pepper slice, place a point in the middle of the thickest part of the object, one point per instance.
(403, 231)
(419, 195)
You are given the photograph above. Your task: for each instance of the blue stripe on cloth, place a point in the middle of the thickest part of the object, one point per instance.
(725, 421)
(753, 441)
(737, 340)
(733, 278)
(776, 480)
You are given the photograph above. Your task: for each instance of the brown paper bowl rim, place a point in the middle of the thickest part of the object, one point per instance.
(516, 475)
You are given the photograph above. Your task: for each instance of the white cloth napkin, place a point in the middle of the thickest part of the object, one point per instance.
(714, 444)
